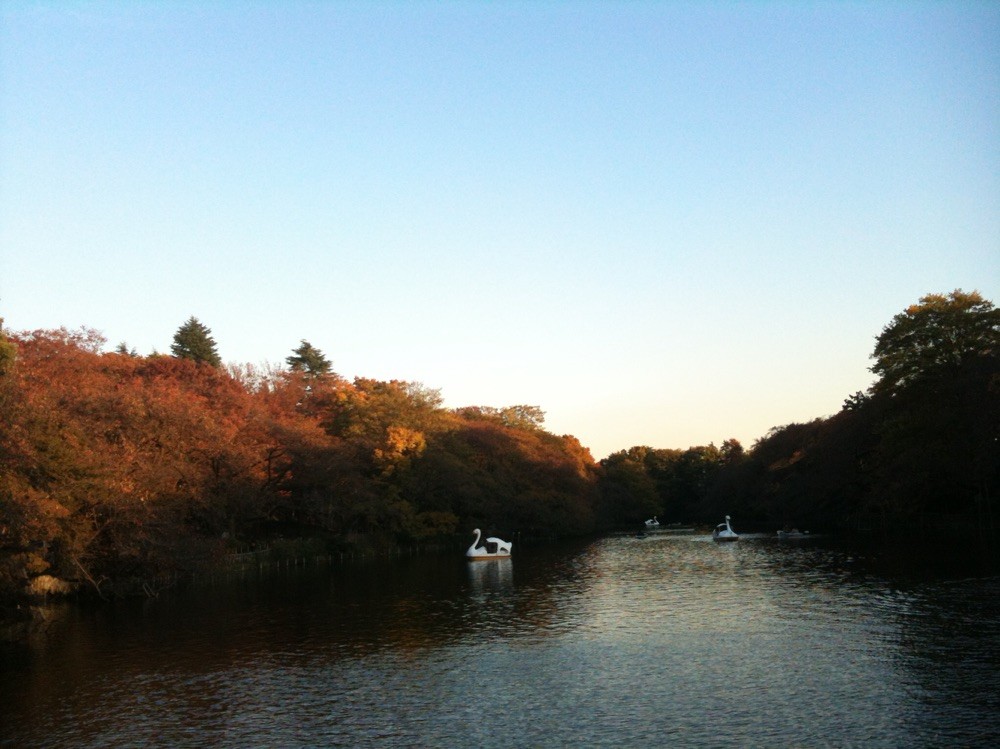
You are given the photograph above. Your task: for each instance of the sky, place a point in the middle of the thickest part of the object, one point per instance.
(663, 223)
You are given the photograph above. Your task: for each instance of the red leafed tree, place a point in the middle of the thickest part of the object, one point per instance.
(128, 469)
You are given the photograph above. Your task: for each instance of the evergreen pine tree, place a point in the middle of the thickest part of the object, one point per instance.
(310, 360)
(194, 341)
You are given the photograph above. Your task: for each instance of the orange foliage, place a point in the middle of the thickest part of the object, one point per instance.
(118, 470)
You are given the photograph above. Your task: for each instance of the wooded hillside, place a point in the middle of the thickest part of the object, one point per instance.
(119, 472)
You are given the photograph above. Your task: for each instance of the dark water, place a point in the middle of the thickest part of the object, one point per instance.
(624, 642)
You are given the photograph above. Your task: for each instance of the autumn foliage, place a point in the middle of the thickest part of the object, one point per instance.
(121, 473)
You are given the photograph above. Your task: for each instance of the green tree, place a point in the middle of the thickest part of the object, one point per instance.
(732, 451)
(194, 341)
(938, 455)
(523, 417)
(8, 351)
(628, 492)
(935, 337)
(310, 361)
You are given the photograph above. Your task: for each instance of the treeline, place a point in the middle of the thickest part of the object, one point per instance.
(918, 453)
(119, 472)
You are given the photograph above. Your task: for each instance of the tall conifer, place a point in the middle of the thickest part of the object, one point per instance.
(194, 341)
(310, 360)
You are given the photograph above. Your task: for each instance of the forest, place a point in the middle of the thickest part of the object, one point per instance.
(121, 474)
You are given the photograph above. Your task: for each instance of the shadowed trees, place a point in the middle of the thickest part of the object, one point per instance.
(920, 450)
(674, 485)
(938, 396)
(629, 493)
(495, 474)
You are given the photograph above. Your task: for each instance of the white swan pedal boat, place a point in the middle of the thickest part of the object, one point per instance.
(724, 532)
(495, 548)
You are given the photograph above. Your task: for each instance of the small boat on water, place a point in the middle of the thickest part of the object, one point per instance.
(793, 533)
(724, 532)
(495, 548)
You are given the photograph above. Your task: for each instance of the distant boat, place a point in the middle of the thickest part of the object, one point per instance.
(652, 522)
(495, 548)
(724, 532)
(793, 533)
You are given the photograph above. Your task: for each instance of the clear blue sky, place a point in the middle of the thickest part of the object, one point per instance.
(665, 224)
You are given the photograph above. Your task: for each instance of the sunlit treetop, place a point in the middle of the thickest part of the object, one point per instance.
(940, 334)
(194, 341)
(309, 360)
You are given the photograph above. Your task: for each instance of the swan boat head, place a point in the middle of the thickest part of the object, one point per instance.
(724, 532)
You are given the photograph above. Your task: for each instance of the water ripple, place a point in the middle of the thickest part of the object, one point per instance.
(622, 642)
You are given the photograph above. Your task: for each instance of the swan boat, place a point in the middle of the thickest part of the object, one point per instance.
(495, 548)
(724, 532)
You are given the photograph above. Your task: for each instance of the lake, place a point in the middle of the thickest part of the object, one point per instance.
(668, 640)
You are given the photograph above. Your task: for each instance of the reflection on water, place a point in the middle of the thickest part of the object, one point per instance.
(491, 576)
(663, 640)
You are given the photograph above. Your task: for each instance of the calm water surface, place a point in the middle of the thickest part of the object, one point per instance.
(661, 641)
